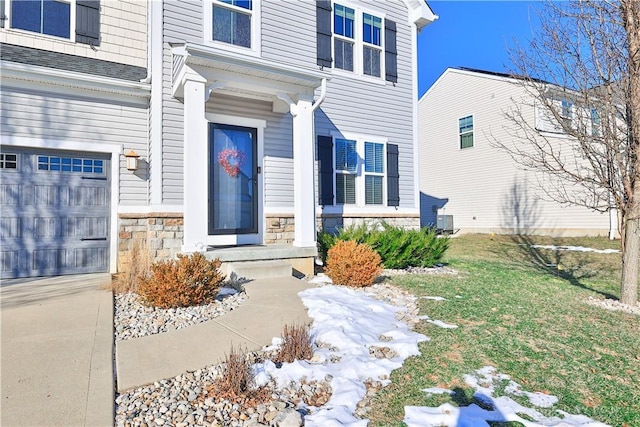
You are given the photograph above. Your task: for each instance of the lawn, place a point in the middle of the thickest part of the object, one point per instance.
(523, 311)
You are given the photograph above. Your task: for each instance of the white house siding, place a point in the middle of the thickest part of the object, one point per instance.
(481, 186)
(123, 35)
(81, 119)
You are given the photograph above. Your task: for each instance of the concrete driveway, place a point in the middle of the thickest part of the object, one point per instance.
(57, 351)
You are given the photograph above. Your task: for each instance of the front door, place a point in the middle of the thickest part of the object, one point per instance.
(233, 183)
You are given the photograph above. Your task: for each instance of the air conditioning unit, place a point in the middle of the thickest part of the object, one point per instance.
(444, 223)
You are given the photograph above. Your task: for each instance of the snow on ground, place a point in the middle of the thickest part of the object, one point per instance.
(576, 248)
(346, 324)
(434, 298)
(503, 409)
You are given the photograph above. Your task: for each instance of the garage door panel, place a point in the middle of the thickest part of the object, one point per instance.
(55, 214)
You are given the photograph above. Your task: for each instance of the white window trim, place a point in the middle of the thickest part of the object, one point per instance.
(360, 166)
(358, 43)
(256, 28)
(473, 120)
(72, 23)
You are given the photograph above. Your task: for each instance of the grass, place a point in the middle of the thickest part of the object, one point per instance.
(525, 316)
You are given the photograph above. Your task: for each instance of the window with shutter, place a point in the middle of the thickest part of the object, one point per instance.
(324, 33)
(325, 170)
(52, 18)
(390, 52)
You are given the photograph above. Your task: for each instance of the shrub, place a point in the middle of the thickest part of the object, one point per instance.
(397, 247)
(136, 267)
(400, 248)
(187, 281)
(353, 264)
(296, 344)
(236, 383)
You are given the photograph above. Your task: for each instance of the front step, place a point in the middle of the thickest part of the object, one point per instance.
(259, 269)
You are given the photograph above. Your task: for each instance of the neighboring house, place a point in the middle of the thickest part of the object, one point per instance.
(466, 180)
(268, 119)
(71, 102)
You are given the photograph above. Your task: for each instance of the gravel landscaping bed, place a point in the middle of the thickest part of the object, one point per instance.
(614, 305)
(132, 319)
(182, 400)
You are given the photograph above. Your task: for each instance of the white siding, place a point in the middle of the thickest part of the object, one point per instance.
(37, 114)
(481, 186)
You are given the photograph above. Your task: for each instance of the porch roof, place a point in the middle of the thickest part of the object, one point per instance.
(242, 75)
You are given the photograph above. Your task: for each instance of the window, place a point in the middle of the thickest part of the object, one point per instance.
(346, 171)
(8, 161)
(371, 51)
(595, 122)
(233, 23)
(465, 126)
(357, 41)
(567, 114)
(343, 41)
(373, 173)
(50, 17)
(70, 164)
(359, 172)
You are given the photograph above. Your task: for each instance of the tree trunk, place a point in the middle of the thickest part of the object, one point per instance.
(631, 261)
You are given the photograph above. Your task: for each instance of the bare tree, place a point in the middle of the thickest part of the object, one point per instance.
(580, 78)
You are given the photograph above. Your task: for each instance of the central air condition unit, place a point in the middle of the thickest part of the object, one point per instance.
(445, 223)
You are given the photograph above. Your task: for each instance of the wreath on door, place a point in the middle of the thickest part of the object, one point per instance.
(231, 161)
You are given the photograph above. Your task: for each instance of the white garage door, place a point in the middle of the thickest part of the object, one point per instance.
(55, 212)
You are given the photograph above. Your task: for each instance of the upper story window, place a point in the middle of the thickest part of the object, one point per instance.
(356, 40)
(75, 20)
(372, 47)
(595, 122)
(233, 23)
(465, 127)
(567, 113)
(343, 42)
(50, 17)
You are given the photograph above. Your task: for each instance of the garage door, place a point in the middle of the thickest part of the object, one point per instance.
(55, 212)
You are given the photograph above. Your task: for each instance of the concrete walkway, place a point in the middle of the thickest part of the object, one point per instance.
(271, 303)
(57, 351)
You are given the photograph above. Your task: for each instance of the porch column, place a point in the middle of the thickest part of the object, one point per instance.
(195, 164)
(303, 177)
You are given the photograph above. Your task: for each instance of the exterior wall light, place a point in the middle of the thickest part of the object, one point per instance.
(132, 160)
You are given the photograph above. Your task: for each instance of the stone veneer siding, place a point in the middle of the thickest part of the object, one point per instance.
(280, 227)
(163, 233)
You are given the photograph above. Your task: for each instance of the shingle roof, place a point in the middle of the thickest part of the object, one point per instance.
(63, 61)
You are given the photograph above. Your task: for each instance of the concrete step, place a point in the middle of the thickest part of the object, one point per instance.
(259, 269)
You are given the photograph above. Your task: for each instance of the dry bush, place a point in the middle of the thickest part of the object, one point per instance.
(237, 384)
(352, 264)
(186, 281)
(296, 344)
(137, 267)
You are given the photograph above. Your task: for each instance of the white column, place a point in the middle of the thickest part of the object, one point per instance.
(303, 177)
(195, 165)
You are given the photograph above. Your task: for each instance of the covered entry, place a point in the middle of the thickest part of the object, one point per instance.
(55, 212)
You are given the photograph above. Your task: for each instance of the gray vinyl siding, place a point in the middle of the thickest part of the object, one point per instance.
(289, 32)
(182, 22)
(352, 105)
(481, 186)
(35, 114)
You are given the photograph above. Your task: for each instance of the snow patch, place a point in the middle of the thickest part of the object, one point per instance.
(576, 248)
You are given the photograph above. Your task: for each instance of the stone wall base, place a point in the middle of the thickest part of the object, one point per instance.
(162, 232)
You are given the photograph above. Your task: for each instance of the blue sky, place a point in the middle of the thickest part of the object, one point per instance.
(475, 34)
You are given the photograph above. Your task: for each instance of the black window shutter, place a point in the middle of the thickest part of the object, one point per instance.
(88, 22)
(390, 52)
(393, 176)
(325, 170)
(323, 30)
